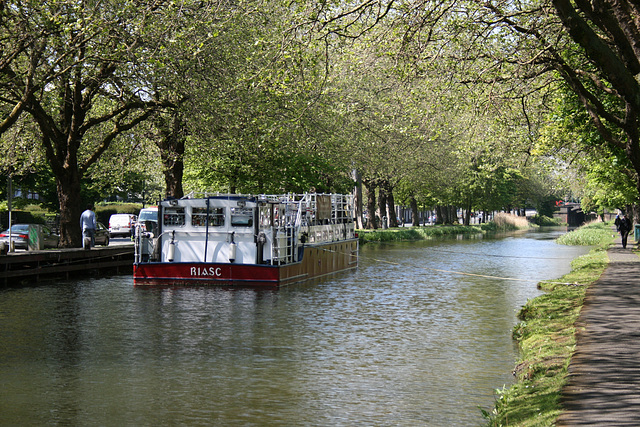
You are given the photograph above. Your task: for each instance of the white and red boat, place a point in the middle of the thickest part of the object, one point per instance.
(246, 240)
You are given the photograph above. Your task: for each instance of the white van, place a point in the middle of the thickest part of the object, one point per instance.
(121, 224)
(148, 214)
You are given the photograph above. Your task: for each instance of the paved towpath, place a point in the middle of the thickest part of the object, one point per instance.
(604, 375)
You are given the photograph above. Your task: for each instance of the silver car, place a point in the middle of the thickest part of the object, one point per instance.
(20, 236)
(102, 235)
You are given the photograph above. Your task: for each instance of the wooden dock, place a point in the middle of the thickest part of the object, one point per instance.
(25, 267)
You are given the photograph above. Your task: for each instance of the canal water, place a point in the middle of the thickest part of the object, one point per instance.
(405, 340)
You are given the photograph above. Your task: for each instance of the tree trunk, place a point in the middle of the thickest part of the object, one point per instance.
(173, 132)
(393, 219)
(71, 207)
(173, 171)
(467, 217)
(372, 224)
(446, 214)
(358, 199)
(415, 215)
(382, 206)
(440, 215)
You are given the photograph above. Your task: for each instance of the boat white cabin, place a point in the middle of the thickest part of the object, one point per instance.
(231, 239)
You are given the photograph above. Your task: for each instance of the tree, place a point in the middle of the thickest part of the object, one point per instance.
(518, 49)
(587, 168)
(592, 47)
(252, 111)
(82, 82)
(170, 136)
(395, 127)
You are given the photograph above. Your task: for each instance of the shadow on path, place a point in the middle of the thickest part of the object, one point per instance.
(604, 375)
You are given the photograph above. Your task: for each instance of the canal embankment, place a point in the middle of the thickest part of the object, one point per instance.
(546, 335)
(603, 375)
(27, 267)
(501, 222)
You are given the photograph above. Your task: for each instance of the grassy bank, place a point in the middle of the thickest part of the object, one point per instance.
(501, 222)
(546, 336)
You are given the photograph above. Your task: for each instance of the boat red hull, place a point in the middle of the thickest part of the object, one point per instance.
(318, 261)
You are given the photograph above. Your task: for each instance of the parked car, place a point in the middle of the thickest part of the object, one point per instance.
(20, 236)
(102, 235)
(147, 215)
(121, 224)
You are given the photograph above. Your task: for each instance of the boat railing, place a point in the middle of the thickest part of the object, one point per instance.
(284, 249)
(341, 204)
(207, 194)
(284, 245)
(144, 243)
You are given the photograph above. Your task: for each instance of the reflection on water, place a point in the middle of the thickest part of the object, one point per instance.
(404, 340)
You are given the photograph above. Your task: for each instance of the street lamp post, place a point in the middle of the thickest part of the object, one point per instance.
(9, 198)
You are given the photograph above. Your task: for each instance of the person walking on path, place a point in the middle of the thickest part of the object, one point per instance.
(603, 386)
(88, 226)
(625, 227)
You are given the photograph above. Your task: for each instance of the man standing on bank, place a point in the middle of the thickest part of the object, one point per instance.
(625, 228)
(88, 226)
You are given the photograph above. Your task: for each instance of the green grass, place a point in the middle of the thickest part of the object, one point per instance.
(588, 235)
(503, 223)
(415, 233)
(546, 336)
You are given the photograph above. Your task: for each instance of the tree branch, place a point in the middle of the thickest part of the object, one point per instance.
(117, 130)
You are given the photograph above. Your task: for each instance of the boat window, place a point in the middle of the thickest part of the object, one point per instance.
(265, 215)
(199, 217)
(173, 217)
(241, 217)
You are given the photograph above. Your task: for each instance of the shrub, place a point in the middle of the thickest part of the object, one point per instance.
(104, 212)
(543, 221)
(505, 221)
(588, 235)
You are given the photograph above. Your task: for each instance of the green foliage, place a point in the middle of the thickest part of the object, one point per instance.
(608, 184)
(545, 221)
(27, 213)
(256, 114)
(20, 216)
(274, 102)
(505, 223)
(602, 176)
(130, 185)
(272, 172)
(415, 233)
(81, 74)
